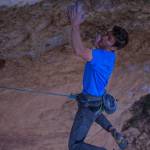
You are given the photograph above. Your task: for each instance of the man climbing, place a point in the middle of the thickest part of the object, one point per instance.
(99, 65)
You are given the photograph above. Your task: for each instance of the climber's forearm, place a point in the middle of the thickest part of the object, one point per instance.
(76, 40)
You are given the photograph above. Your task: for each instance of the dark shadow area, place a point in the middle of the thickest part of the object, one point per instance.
(137, 128)
(2, 63)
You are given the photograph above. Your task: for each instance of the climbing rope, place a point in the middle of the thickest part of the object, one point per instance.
(109, 104)
(27, 90)
(38, 92)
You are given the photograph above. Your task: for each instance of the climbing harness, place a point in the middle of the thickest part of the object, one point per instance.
(94, 103)
(106, 102)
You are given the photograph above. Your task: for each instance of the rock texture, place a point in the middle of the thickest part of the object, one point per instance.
(35, 53)
(17, 3)
(137, 128)
(32, 31)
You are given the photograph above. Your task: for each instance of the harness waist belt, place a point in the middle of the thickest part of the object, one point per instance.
(89, 98)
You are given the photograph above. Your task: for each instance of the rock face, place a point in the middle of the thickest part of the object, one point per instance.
(31, 30)
(10, 3)
(35, 53)
(137, 128)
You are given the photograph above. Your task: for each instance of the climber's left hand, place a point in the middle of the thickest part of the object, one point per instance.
(75, 14)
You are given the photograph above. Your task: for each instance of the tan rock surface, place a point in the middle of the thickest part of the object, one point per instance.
(28, 39)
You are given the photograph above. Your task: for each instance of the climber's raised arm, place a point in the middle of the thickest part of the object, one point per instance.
(76, 17)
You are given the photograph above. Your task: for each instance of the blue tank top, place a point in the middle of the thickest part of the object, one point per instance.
(98, 71)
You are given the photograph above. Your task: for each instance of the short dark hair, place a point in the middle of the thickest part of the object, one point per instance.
(121, 36)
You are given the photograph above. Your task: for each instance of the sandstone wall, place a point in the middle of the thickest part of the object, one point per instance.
(10, 3)
(32, 31)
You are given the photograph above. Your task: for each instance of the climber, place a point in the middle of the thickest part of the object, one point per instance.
(100, 62)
